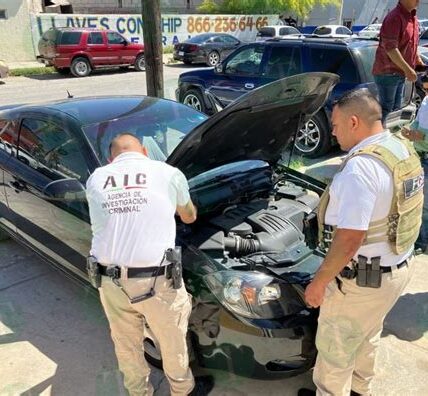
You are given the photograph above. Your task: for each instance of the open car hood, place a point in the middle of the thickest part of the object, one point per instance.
(257, 126)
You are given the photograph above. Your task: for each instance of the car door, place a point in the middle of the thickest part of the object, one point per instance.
(239, 73)
(97, 48)
(8, 145)
(115, 47)
(46, 192)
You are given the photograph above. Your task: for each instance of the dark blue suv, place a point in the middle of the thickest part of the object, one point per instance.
(260, 63)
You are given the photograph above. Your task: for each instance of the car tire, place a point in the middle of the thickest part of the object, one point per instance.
(152, 354)
(314, 139)
(62, 70)
(213, 58)
(80, 67)
(140, 63)
(194, 98)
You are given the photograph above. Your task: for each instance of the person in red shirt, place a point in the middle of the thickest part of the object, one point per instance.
(397, 55)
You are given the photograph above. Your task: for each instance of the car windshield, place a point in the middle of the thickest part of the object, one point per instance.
(161, 126)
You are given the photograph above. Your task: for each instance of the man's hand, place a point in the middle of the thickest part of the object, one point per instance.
(187, 212)
(411, 74)
(314, 293)
(412, 134)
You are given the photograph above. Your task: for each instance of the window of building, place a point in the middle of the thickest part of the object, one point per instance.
(3, 14)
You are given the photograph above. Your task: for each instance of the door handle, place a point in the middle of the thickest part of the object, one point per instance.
(249, 85)
(17, 186)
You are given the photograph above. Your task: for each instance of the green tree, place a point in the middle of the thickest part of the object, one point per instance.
(300, 8)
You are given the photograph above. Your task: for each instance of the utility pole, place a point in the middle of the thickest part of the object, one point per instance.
(150, 12)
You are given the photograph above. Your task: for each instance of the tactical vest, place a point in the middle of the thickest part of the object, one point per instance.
(401, 227)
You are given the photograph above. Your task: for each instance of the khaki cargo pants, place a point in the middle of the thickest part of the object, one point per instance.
(167, 314)
(349, 329)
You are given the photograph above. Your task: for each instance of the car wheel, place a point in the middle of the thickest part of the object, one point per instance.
(62, 70)
(152, 354)
(314, 139)
(418, 97)
(80, 67)
(213, 58)
(140, 63)
(193, 98)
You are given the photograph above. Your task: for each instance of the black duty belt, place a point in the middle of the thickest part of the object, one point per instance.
(351, 273)
(141, 272)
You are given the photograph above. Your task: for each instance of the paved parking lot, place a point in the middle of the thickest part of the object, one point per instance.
(102, 82)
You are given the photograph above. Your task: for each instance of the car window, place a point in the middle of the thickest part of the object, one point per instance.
(424, 35)
(8, 137)
(266, 32)
(283, 62)
(114, 38)
(50, 36)
(288, 30)
(217, 39)
(322, 30)
(245, 62)
(338, 61)
(70, 38)
(230, 40)
(49, 149)
(95, 38)
(366, 55)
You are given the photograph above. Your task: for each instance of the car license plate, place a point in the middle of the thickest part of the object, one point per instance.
(181, 53)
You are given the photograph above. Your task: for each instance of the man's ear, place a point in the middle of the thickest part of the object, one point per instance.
(144, 151)
(355, 121)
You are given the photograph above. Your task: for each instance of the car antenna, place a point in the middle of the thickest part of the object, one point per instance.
(69, 95)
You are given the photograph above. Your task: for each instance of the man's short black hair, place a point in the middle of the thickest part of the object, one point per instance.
(362, 102)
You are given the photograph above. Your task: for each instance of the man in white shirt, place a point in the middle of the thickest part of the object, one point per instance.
(132, 203)
(368, 262)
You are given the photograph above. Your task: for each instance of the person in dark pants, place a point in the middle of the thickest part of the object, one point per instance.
(397, 55)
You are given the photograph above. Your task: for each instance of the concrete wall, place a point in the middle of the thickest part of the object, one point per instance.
(15, 32)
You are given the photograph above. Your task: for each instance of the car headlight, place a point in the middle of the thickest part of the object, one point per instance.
(249, 294)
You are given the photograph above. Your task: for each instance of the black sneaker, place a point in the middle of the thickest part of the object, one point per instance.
(203, 385)
(306, 392)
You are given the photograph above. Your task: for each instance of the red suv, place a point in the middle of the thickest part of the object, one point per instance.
(79, 51)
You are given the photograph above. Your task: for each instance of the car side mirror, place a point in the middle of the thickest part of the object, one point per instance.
(65, 190)
(125, 43)
(218, 68)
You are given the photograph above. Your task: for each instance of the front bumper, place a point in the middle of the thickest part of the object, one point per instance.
(255, 351)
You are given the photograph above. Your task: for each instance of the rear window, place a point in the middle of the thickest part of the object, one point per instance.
(322, 30)
(266, 32)
(288, 30)
(70, 38)
(50, 36)
(366, 55)
(201, 38)
(338, 61)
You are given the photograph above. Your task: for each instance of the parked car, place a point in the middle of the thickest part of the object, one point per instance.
(209, 48)
(80, 50)
(332, 31)
(268, 32)
(4, 69)
(370, 31)
(260, 63)
(252, 251)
